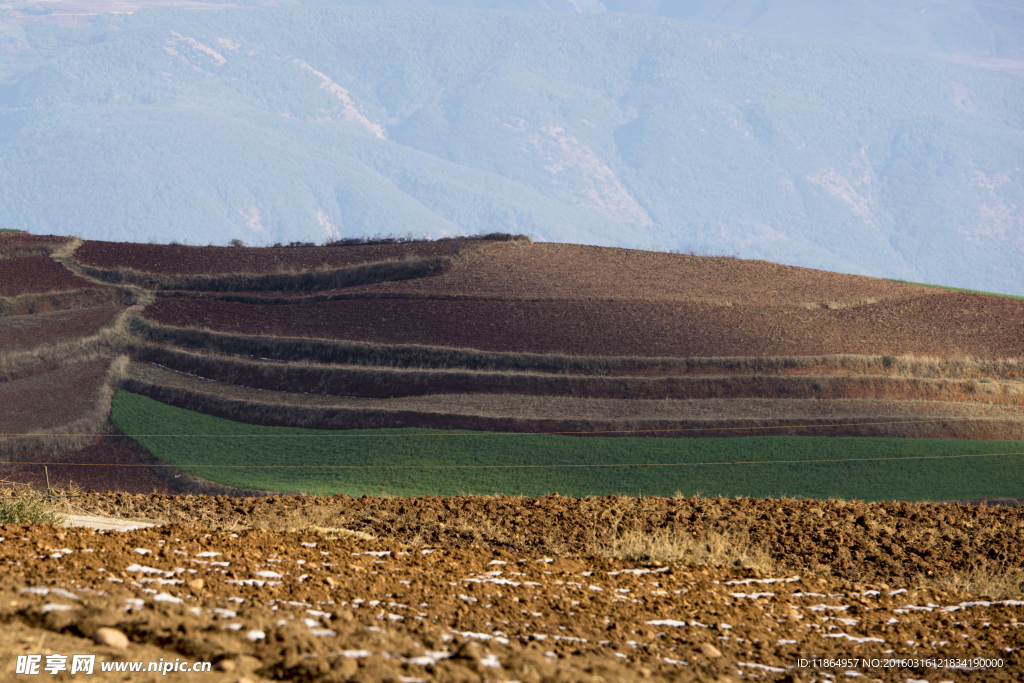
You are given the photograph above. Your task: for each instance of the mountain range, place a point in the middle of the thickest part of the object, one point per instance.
(848, 139)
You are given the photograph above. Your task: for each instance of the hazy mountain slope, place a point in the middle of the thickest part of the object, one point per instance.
(987, 32)
(304, 123)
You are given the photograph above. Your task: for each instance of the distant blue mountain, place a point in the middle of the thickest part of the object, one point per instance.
(310, 122)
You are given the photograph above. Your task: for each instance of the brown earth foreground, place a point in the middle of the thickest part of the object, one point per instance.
(309, 606)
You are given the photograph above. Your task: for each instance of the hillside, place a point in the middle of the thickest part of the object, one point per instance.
(689, 360)
(600, 128)
(743, 561)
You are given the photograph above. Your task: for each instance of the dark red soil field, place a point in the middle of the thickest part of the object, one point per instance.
(27, 331)
(37, 274)
(942, 324)
(102, 467)
(51, 399)
(22, 240)
(186, 260)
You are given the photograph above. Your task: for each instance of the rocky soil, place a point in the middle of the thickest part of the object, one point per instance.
(306, 606)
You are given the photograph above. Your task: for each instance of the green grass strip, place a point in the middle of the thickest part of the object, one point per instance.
(956, 289)
(415, 462)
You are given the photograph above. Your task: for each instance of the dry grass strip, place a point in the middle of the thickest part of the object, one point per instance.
(73, 435)
(25, 252)
(276, 414)
(995, 584)
(69, 300)
(384, 382)
(328, 278)
(675, 546)
(416, 356)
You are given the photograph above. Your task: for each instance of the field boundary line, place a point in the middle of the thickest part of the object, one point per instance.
(610, 431)
(326, 351)
(443, 467)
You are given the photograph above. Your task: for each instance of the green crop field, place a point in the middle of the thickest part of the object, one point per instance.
(411, 462)
(956, 289)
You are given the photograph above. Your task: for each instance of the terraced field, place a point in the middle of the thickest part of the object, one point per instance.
(910, 392)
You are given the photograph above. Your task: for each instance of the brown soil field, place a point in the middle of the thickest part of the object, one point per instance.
(584, 273)
(186, 260)
(50, 399)
(27, 331)
(37, 274)
(45, 302)
(944, 324)
(386, 382)
(573, 415)
(569, 407)
(455, 603)
(100, 467)
(23, 240)
(892, 542)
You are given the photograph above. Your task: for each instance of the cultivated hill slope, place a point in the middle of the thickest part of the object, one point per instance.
(504, 336)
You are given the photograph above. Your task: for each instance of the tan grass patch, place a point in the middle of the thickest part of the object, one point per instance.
(78, 433)
(319, 278)
(994, 584)
(671, 546)
(337, 351)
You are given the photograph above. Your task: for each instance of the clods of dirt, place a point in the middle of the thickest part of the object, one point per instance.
(894, 542)
(308, 607)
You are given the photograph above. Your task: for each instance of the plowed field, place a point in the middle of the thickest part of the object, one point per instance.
(50, 399)
(541, 407)
(308, 606)
(184, 260)
(583, 273)
(27, 331)
(892, 542)
(37, 274)
(22, 240)
(102, 467)
(942, 324)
